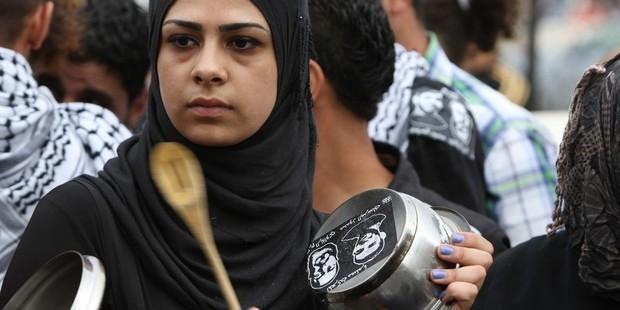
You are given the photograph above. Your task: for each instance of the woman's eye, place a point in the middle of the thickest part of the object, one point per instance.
(182, 41)
(243, 43)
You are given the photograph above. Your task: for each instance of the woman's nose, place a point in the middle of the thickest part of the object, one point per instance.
(210, 68)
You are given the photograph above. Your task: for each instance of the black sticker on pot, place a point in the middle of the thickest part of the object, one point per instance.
(354, 246)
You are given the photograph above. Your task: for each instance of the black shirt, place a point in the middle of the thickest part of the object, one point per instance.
(541, 273)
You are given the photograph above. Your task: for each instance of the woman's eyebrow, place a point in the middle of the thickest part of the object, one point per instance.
(237, 26)
(184, 24)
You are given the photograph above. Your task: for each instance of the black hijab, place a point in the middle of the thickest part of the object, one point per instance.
(259, 190)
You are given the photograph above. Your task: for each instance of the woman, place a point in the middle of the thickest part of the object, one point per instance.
(230, 82)
(577, 267)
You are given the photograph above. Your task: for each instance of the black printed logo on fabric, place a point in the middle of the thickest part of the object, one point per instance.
(354, 246)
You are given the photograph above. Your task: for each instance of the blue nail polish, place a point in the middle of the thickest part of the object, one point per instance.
(438, 274)
(457, 238)
(445, 250)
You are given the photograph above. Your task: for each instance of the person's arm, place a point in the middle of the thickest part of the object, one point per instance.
(474, 255)
(62, 221)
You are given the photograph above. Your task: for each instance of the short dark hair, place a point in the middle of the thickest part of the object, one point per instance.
(355, 48)
(12, 16)
(483, 22)
(116, 36)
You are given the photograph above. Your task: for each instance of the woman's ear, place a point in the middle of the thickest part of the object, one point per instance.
(317, 78)
(40, 24)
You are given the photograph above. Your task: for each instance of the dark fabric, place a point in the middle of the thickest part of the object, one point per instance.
(407, 181)
(449, 161)
(259, 199)
(589, 178)
(541, 273)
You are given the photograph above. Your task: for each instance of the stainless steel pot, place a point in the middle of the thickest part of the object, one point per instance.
(68, 281)
(377, 249)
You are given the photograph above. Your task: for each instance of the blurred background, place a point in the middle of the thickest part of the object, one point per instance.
(556, 41)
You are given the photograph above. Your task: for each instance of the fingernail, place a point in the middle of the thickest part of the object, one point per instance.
(457, 238)
(442, 295)
(445, 250)
(438, 274)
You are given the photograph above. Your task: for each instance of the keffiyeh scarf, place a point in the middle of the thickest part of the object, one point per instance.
(42, 145)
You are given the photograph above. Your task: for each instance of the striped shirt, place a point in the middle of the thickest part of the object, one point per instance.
(519, 152)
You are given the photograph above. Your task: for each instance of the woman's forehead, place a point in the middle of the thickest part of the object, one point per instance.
(216, 12)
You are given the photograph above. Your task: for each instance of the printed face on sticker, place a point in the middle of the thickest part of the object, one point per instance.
(369, 239)
(324, 266)
(461, 123)
(217, 70)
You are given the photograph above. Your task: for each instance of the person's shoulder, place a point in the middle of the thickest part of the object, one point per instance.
(500, 108)
(93, 117)
(440, 113)
(408, 66)
(528, 258)
(524, 250)
(510, 277)
(521, 134)
(72, 199)
(98, 129)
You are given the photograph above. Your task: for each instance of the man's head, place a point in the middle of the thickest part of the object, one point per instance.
(25, 24)
(354, 54)
(111, 64)
(469, 29)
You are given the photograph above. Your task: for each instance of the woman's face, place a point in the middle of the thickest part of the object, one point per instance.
(217, 70)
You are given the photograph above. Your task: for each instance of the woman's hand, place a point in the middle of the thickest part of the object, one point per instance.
(474, 255)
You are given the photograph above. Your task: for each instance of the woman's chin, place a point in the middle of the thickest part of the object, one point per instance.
(214, 140)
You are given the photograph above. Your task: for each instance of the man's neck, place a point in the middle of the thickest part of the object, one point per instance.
(346, 161)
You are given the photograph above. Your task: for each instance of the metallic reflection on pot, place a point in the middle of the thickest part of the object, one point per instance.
(68, 281)
(377, 249)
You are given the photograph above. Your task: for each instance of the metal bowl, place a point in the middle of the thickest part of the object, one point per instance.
(377, 249)
(67, 281)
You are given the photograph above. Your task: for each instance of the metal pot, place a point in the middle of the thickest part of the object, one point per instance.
(377, 249)
(67, 281)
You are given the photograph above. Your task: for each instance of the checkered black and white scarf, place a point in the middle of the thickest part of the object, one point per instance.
(43, 144)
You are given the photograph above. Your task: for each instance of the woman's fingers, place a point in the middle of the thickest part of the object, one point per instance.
(467, 249)
(472, 240)
(474, 253)
(464, 256)
(470, 274)
(460, 294)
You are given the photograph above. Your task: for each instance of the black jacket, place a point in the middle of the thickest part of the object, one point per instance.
(406, 180)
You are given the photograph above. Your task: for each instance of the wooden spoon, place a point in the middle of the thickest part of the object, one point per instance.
(178, 176)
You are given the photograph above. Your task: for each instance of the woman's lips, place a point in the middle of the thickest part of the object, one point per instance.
(208, 108)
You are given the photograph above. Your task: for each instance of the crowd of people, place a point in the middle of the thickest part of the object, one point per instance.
(292, 107)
